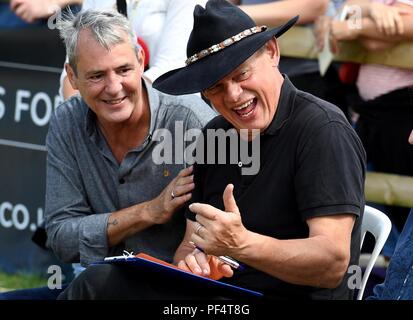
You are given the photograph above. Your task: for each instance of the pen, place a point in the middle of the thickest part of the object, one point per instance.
(225, 259)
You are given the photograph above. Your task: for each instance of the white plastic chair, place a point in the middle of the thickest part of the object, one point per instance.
(379, 225)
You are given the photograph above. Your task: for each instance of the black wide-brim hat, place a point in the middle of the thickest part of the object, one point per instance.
(223, 26)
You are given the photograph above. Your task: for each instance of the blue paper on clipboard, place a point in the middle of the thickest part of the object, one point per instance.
(145, 262)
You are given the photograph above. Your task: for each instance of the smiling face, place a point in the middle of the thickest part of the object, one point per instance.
(248, 96)
(109, 80)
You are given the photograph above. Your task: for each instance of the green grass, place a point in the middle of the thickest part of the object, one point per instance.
(20, 281)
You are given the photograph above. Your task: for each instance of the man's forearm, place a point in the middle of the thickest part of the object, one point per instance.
(312, 261)
(126, 222)
(370, 30)
(276, 13)
(345, 31)
(64, 3)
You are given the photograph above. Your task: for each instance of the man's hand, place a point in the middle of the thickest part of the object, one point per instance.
(219, 232)
(173, 197)
(323, 25)
(128, 221)
(31, 10)
(341, 30)
(387, 18)
(205, 265)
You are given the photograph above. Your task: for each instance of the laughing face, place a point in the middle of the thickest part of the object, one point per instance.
(248, 96)
(109, 80)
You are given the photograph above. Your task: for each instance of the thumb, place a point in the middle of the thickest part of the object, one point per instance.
(229, 200)
(411, 137)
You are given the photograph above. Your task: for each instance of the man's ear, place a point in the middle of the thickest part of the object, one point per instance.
(71, 75)
(204, 95)
(206, 100)
(141, 59)
(274, 51)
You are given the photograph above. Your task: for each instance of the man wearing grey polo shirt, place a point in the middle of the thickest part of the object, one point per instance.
(104, 192)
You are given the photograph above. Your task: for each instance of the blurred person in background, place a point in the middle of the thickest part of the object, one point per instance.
(385, 113)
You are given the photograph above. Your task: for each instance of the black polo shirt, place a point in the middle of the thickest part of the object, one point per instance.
(311, 164)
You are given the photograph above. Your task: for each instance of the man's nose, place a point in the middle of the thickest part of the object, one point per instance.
(233, 92)
(113, 84)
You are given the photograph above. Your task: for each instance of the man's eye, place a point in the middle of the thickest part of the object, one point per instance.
(244, 75)
(214, 90)
(96, 77)
(125, 70)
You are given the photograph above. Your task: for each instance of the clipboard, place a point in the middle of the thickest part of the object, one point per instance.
(147, 262)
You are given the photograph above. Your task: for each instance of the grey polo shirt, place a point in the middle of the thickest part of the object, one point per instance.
(85, 184)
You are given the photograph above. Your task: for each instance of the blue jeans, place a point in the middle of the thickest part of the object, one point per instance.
(398, 284)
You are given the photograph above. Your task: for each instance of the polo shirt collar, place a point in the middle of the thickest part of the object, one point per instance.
(90, 121)
(93, 132)
(154, 101)
(284, 108)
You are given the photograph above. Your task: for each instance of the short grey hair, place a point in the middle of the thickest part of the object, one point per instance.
(108, 27)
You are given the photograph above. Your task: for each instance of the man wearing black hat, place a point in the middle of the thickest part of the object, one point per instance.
(294, 224)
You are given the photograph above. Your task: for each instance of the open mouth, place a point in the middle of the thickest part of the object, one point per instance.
(114, 102)
(246, 109)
